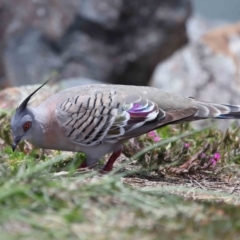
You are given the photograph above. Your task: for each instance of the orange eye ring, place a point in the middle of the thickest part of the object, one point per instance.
(27, 126)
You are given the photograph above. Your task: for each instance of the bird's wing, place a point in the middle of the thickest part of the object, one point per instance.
(107, 115)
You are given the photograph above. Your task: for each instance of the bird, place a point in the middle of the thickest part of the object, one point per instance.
(97, 119)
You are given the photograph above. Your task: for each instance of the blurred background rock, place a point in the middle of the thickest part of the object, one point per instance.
(115, 41)
(208, 66)
(183, 46)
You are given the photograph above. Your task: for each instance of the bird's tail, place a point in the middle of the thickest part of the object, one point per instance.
(214, 110)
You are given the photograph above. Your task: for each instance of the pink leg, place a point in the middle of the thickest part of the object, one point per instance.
(109, 165)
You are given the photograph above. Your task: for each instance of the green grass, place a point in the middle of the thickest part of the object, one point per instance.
(83, 206)
(146, 197)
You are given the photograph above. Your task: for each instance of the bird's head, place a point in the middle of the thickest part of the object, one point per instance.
(22, 122)
(21, 125)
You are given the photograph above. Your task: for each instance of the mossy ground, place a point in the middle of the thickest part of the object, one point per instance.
(171, 189)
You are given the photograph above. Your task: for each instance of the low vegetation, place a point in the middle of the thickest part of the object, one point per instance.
(173, 183)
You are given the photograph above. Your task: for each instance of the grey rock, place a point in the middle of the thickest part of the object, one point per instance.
(105, 13)
(27, 58)
(117, 41)
(206, 69)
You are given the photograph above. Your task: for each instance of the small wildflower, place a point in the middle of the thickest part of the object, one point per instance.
(186, 145)
(203, 155)
(151, 134)
(154, 136)
(157, 139)
(215, 158)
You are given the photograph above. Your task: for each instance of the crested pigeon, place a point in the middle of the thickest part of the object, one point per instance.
(98, 119)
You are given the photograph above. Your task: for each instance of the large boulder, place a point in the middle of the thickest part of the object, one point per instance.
(208, 68)
(118, 41)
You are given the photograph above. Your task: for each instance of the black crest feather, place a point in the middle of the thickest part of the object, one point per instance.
(24, 103)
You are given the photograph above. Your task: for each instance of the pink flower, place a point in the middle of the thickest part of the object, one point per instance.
(154, 136)
(186, 145)
(215, 158)
(157, 139)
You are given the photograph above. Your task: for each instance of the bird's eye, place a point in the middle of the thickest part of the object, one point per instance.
(26, 126)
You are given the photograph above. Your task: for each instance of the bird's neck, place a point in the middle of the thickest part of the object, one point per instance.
(46, 132)
(40, 124)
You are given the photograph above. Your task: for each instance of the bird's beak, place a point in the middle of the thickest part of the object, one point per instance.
(15, 143)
